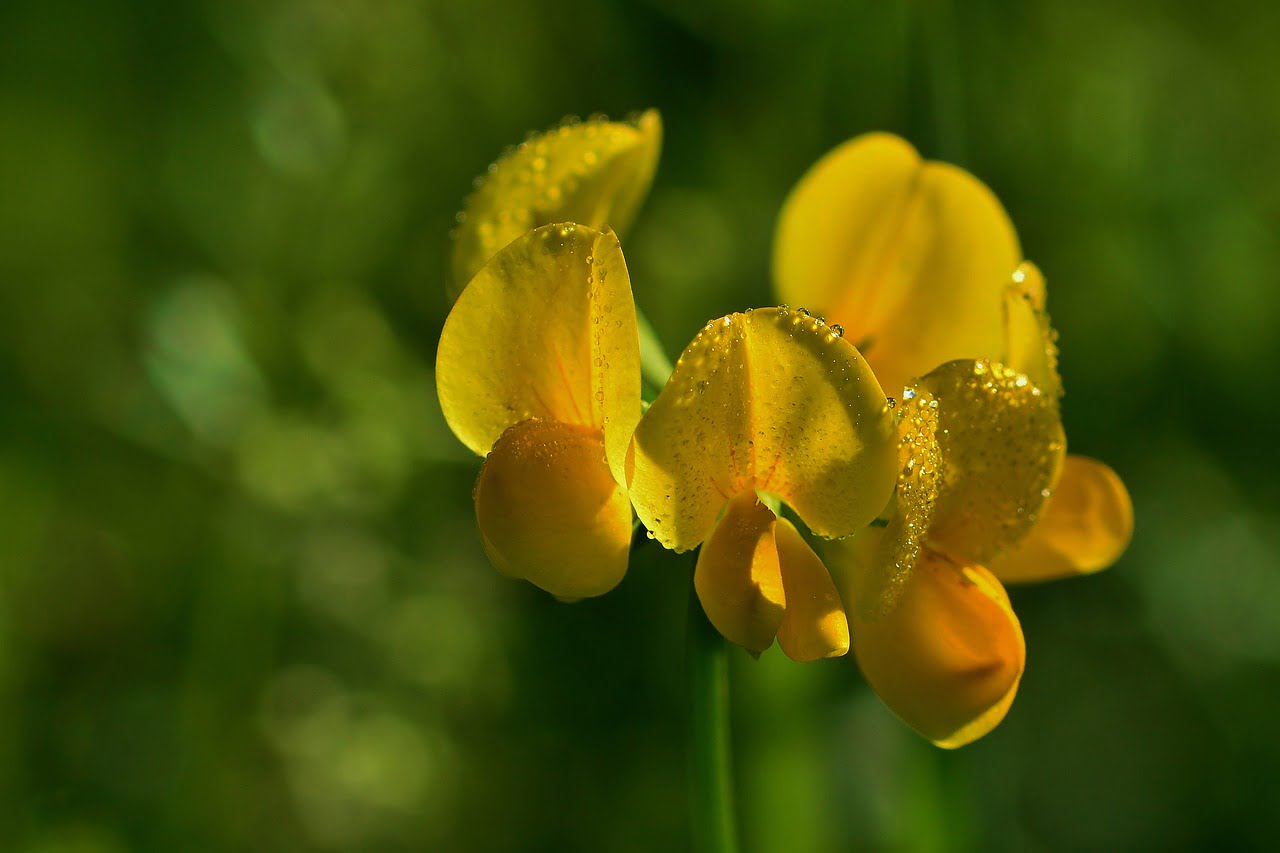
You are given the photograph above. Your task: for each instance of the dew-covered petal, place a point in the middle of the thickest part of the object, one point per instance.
(547, 329)
(878, 561)
(814, 625)
(1031, 344)
(737, 577)
(596, 173)
(1084, 527)
(772, 400)
(1002, 445)
(947, 659)
(911, 256)
(550, 512)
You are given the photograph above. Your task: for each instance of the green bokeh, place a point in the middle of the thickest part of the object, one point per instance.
(242, 603)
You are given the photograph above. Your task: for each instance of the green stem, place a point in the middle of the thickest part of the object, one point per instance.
(654, 364)
(710, 753)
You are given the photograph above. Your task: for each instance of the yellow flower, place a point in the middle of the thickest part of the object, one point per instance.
(538, 370)
(920, 262)
(770, 402)
(595, 173)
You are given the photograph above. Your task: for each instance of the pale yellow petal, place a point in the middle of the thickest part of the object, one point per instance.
(547, 329)
(737, 577)
(1002, 445)
(770, 400)
(814, 625)
(947, 659)
(911, 256)
(1084, 527)
(596, 173)
(550, 511)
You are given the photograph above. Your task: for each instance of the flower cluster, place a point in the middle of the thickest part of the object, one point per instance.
(921, 503)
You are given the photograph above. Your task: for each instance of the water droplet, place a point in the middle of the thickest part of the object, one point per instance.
(837, 330)
(891, 402)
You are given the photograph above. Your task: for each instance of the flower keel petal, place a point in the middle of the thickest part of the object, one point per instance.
(550, 511)
(738, 579)
(814, 625)
(947, 660)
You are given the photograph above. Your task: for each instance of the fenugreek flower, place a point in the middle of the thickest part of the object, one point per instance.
(920, 262)
(772, 402)
(538, 370)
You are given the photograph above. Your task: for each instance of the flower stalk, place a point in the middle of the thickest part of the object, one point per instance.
(710, 751)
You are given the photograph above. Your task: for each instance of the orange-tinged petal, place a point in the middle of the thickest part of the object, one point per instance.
(596, 173)
(738, 579)
(814, 625)
(771, 400)
(547, 329)
(1002, 445)
(911, 256)
(947, 659)
(1084, 527)
(879, 560)
(550, 511)
(1030, 341)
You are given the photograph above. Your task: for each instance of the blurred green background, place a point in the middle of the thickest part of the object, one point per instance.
(242, 602)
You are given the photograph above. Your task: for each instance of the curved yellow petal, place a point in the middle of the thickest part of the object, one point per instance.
(947, 659)
(772, 400)
(547, 329)
(738, 579)
(1002, 445)
(596, 173)
(1031, 344)
(879, 560)
(814, 625)
(550, 511)
(911, 256)
(1084, 527)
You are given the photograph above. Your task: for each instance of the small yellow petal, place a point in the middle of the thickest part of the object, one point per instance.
(738, 579)
(814, 625)
(771, 400)
(1002, 445)
(1084, 527)
(547, 329)
(1031, 343)
(911, 256)
(596, 173)
(946, 660)
(550, 511)
(879, 560)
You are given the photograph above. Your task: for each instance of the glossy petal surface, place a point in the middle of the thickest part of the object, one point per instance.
(947, 659)
(596, 173)
(1084, 527)
(814, 625)
(550, 511)
(910, 256)
(738, 579)
(547, 329)
(771, 400)
(1002, 445)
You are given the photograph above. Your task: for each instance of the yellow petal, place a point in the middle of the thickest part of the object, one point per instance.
(547, 329)
(770, 400)
(1031, 343)
(596, 173)
(946, 660)
(814, 625)
(550, 511)
(1084, 527)
(737, 577)
(911, 256)
(879, 560)
(1002, 446)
